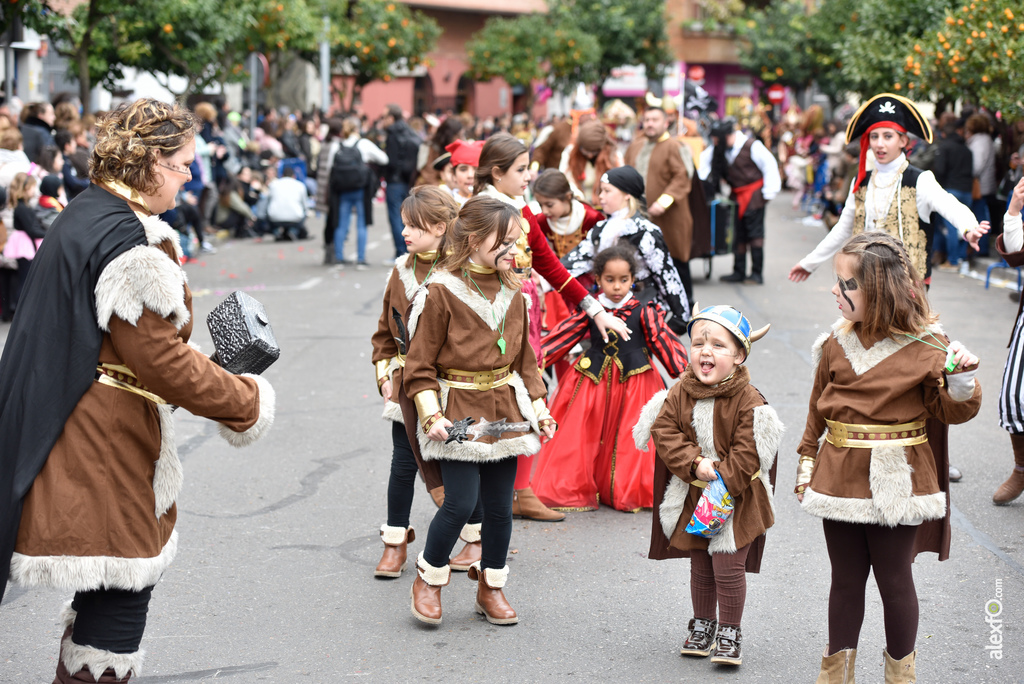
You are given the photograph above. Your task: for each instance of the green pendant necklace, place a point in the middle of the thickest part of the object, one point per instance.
(501, 338)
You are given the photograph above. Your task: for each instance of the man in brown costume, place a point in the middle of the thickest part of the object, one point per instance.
(658, 157)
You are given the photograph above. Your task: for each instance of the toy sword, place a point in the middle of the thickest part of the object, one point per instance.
(464, 429)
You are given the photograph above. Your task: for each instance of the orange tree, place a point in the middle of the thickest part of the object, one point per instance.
(374, 40)
(533, 47)
(972, 56)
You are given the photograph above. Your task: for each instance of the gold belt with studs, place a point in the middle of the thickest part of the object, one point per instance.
(121, 377)
(475, 380)
(854, 436)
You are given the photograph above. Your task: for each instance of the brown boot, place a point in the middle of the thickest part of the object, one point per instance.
(838, 667)
(396, 541)
(490, 600)
(426, 591)
(525, 504)
(1014, 486)
(437, 494)
(472, 551)
(900, 671)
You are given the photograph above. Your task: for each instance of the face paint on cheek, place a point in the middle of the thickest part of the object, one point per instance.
(847, 285)
(502, 253)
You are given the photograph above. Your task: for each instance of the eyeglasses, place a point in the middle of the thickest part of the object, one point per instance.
(184, 172)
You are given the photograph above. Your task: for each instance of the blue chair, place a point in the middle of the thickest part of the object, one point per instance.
(1001, 264)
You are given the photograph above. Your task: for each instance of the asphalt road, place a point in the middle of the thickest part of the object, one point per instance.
(273, 580)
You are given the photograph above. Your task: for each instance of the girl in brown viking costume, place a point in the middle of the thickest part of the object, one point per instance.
(87, 384)
(474, 379)
(882, 371)
(427, 212)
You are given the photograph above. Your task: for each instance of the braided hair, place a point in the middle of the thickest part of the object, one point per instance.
(132, 138)
(894, 293)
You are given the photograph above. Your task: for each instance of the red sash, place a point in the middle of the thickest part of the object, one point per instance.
(744, 193)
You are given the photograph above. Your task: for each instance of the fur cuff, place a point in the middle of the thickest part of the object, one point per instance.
(268, 402)
(471, 532)
(494, 579)
(649, 414)
(393, 536)
(435, 577)
(97, 661)
(67, 615)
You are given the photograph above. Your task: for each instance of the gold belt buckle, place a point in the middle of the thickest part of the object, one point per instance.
(484, 379)
(839, 434)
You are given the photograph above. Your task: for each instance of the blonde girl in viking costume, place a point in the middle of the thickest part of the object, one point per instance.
(867, 463)
(87, 386)
(473, 377)
(896, 198)
(426, 212)
(713, 424)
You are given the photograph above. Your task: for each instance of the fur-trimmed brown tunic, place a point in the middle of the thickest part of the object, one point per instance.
(666, 175)
(454, 327)
(731, 424)
(409, 272)
(101, 512)
(888, 382)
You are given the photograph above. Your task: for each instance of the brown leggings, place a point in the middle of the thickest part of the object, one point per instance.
(855, 550)
(719, 580)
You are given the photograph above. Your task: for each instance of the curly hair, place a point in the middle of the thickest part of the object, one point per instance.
(132, 138)
(620, 251)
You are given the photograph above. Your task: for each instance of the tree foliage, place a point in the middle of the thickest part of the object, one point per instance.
(533, 47)
(373, 39)
(628, 33)
(972, 56)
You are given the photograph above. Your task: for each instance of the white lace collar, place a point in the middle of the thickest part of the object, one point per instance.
(617, 225)
(890, 167)
(567, 225)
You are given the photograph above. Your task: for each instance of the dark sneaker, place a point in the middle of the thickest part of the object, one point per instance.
(701, 639)
(728, 650)
(755, 279)
(733, 277)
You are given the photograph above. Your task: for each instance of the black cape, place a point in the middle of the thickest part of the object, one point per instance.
(53, 346)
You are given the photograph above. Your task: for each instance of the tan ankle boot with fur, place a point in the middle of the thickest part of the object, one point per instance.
(901, 671)
(838, 667)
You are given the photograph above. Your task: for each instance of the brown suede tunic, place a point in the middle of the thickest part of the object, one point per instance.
(402, 285)
(458, 329)
(666, 175)
(877, 382)
(677, 437)
(95, 495)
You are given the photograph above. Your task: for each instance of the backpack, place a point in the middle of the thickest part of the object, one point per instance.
(348, 171)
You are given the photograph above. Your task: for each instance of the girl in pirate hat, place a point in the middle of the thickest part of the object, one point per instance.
(896, 198)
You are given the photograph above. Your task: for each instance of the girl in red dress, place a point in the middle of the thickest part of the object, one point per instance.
(593, 457)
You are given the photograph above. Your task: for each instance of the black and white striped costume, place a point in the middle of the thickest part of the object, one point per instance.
(1011, 395)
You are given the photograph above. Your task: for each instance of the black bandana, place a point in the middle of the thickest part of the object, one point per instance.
(627, 179)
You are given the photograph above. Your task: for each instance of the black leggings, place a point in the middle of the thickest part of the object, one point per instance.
(855, 550)
(466, 485)
(111, 619)
(402, 483)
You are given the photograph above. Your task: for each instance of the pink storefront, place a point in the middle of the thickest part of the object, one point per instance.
(445, 86)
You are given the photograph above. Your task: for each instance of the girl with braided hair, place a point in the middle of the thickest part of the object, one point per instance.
(876, 479)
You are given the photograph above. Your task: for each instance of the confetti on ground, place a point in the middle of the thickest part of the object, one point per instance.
(232, 275)
(301, 248)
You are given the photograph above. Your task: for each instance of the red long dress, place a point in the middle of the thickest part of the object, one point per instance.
(592, 458)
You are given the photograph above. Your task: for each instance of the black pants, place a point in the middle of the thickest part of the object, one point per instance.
(402, 483)
(749, 230)
(855, 550)
(7, 278)
(465, 484)
(111, 619)
(684, 274)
